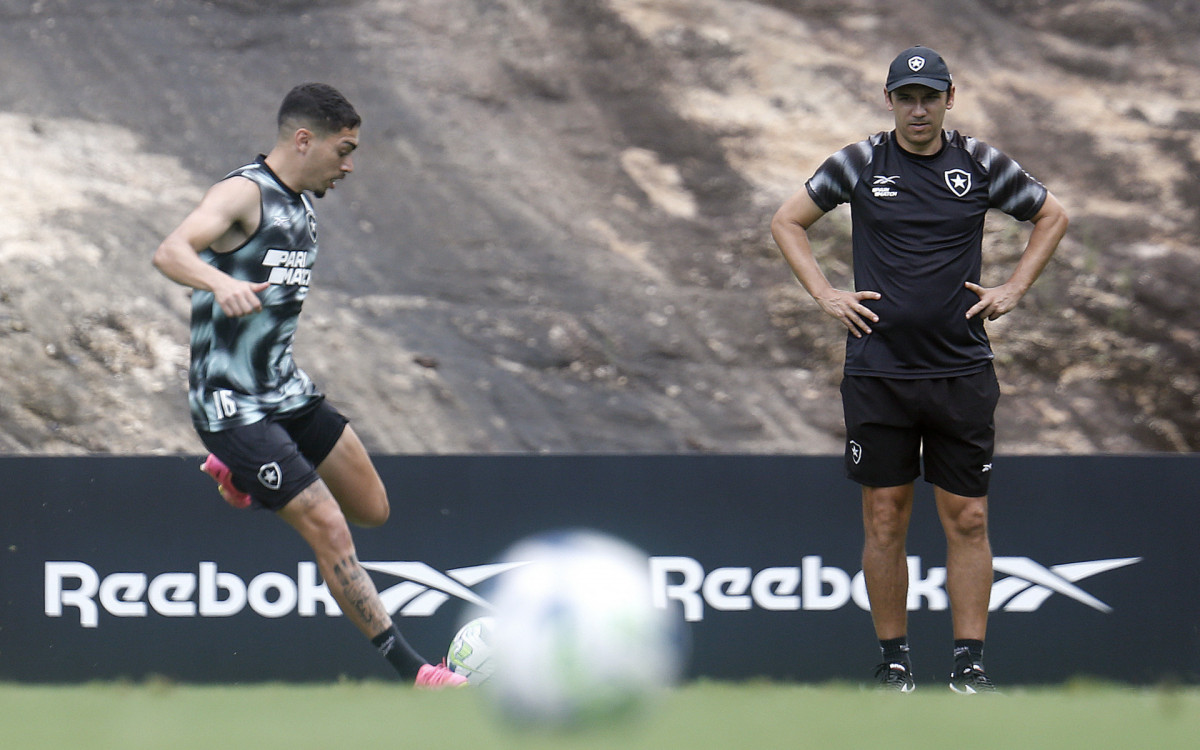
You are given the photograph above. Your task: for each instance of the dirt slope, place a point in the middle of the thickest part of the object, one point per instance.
(556, 236)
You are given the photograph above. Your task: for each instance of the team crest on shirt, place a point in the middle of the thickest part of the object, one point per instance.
(959, 181)
(311, 218)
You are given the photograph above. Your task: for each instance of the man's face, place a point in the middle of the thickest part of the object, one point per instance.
(920, 112)
(329, 159)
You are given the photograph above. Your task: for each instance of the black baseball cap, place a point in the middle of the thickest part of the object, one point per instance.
(919, 65)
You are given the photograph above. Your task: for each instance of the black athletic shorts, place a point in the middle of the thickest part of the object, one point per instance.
(276, 458)
(892, 424)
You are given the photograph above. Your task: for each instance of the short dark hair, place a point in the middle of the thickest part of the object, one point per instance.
(318, 107)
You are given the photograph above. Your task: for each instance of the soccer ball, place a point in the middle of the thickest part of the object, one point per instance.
(470, 652)
(578, 639)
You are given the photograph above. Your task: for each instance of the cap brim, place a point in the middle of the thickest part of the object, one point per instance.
(933, 83)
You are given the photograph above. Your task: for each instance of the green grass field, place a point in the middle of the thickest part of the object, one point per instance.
(697, 716)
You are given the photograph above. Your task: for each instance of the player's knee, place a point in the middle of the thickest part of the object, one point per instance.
(886, 523)
(885, 530)
(970, 523)
(324, 527)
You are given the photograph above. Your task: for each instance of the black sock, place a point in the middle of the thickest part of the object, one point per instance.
(895, 651)
(967, 652)
(397, 651)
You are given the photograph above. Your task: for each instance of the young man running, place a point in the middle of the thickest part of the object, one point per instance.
(247, 250)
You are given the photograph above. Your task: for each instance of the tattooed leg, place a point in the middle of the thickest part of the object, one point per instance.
(315, 514)
(356, 594)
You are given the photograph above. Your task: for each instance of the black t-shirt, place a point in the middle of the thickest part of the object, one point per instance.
(917, 238)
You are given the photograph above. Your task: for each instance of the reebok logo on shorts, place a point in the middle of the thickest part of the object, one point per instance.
(270, 476)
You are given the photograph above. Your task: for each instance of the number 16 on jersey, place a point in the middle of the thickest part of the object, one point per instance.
(225, 405)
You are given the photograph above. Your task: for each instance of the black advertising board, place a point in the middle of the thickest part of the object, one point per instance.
(126, 567)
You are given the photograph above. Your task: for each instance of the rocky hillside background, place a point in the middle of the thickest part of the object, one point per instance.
(556, 236)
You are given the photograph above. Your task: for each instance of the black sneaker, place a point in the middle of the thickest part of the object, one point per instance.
(895, 676)
(970, 680)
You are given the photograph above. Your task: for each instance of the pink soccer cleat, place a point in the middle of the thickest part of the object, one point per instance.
(216, 469)
(439, 676)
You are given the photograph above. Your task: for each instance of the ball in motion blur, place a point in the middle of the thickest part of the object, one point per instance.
(578, 639)
(470, 652)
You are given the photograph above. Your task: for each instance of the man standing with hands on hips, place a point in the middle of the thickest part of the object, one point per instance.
(919, 386)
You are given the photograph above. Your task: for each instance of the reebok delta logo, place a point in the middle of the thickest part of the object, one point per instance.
(1030, 583)
(423, 589)
(884, 186)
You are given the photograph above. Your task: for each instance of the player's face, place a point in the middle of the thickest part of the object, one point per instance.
(920, 112)
(330, 159)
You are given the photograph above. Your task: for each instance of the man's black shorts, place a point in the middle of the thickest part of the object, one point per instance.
(892, 424)
(275, 459)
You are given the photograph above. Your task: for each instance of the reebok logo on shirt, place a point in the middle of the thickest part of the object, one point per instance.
(883, 186)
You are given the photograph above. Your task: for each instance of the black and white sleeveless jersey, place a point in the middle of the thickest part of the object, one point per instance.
(241, 368)
(917, 226)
